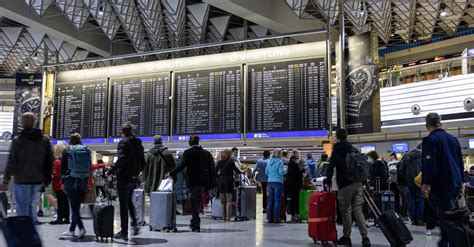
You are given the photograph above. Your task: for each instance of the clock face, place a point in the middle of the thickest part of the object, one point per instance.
(359, 81)
(31, 105)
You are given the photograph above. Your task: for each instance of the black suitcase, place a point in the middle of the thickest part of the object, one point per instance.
(103, 220)
(18, 231)
(390, 223)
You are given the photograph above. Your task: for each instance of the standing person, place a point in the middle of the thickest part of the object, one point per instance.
(99, 178)
(310, 164)
(30, 162)
(410, 167)
(442, 166)
(201, 176)
(262, 177)
(158, 162)
(225, 187)
(378, 172)
(238, 164)
(392, 179)
(76, 164)
(323, 166)
(275, 171)
(180, 187)
(63, 203)
(130, 162)
(402, 184)
(350, 197)
(295, 183)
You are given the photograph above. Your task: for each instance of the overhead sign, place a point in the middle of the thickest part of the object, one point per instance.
(471, 144)
(401, 147)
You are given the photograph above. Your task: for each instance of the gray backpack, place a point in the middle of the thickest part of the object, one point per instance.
(357, 166)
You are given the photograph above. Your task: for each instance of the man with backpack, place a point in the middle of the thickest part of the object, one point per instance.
(200, 167)
(310, 166)
(347, 161)
(31, 164)
(130, 162)
(158, 162)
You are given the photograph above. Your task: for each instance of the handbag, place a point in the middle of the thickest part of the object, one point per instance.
(89, 196)
(166, 185)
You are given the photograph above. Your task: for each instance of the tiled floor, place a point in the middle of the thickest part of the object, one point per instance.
(218, 233)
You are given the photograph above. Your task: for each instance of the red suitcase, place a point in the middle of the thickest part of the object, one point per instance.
(322, 217)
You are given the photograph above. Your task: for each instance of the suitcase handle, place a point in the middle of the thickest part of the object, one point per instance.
(373, 207)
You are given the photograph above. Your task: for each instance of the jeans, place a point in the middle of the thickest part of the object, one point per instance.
(444, 201)
(226, 205)
(125, 193)
(63, 205)
(274, 195)
(26, 199)
(416, 202)
(75, 189)
(264, 196)
(351, 202)
(196, 198)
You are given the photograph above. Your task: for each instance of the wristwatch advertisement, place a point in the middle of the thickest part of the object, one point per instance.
(27, 98)
(359, 88)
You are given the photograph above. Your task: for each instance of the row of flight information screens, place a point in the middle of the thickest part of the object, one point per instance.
(285, 99)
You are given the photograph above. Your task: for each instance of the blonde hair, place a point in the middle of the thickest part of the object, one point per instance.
(225, 154)
(295, 154)
(58, 150)
(276, 153)
(28, 120)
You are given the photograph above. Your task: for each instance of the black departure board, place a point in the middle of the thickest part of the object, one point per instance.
(208, 102)
(81, 108)
(287, 96)
(143, 102)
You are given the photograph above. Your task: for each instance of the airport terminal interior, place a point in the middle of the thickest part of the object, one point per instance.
(230, 123)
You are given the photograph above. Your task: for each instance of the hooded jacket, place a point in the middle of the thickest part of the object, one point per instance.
(31, 158)
(200, 167)
(158, 162)
(131, 159)
(337, 160)
(411, 165)
(275, 170)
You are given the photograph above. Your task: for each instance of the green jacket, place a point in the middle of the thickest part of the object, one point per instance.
(158, 162)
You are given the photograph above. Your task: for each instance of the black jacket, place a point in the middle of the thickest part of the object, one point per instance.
(337, 160)
(131, 159)
(411, 165)
(226, 169)
(31, 158)
(294, 176)
(378, 170)
(200, 167)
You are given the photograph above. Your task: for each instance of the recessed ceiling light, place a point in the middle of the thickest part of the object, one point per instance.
(362, 13)
(392, 35)
(26, 66)
(415, 40)
(36, 56)
(443, 13)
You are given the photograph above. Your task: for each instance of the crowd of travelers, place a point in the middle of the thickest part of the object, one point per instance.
(281, 174)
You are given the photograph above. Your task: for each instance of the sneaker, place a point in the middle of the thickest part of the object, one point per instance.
(196, 229)
(69, 233)
(366, 242)
(82, 233)
(344, 241)
(428, 233)
(121, 235)
(40, 213)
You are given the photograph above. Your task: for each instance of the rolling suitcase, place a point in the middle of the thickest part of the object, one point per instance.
(103, 221)
(390, 223)
(163, 211)
(388, 201)
(18, 231)
(304, 203)
(216, 210)
(138, 199)
(246, 202)
(322, 217)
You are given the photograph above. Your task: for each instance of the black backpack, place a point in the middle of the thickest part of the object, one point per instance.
(208, 177)
(357, 166)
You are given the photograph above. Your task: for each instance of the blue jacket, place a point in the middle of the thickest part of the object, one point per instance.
(275, 170)
(442, 162)
(311, 164)
(260, 168)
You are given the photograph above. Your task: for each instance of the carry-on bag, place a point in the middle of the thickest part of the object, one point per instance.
(390, 223)
(103, 221)
(163, 211)
(304, 203)
(138, 199)
(388, 201)
(18, 231)
(322, 217)
(216, 210)
(246, 202)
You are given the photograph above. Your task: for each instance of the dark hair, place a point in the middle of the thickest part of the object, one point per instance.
(393, 154)
(75, 139)
(341, 134)
(235, 149)
(127, 129)
(193, 140)
(324, 157)
(433, 120)
(266, 154)
(284, 153)
(374, 155)
(100, 161)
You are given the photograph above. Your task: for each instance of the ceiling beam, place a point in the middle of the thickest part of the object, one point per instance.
(279, 17)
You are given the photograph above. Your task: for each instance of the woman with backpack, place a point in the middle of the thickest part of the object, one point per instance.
(76, 164)
(226, 169)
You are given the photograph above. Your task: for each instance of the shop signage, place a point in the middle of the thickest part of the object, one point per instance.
(27, 97)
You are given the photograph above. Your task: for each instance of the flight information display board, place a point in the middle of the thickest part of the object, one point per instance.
(287, 99)
(143, 102)
(208, 103)
(81, 108)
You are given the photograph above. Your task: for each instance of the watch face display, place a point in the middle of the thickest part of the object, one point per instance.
(359, 81)
(31, 105)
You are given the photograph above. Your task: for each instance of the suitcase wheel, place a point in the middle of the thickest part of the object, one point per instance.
(175, 229)
(151, 228)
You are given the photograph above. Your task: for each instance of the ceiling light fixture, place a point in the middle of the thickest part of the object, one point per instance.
(362, 13)
(392, 35)
(36, 56)
(443, 13)
(26, 66)
(101, 11)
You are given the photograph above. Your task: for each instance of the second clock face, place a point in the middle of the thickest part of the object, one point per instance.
(359, 81)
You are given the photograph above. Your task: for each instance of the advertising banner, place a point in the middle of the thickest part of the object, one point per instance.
(362, 91)
(48, 104)
(27, 98)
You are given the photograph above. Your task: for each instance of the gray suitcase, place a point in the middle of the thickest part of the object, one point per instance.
(163, 211)
(138, 199)
(246, 202)
(216, 210)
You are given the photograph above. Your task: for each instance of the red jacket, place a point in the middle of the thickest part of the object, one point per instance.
(57, 184)
(90, 180)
